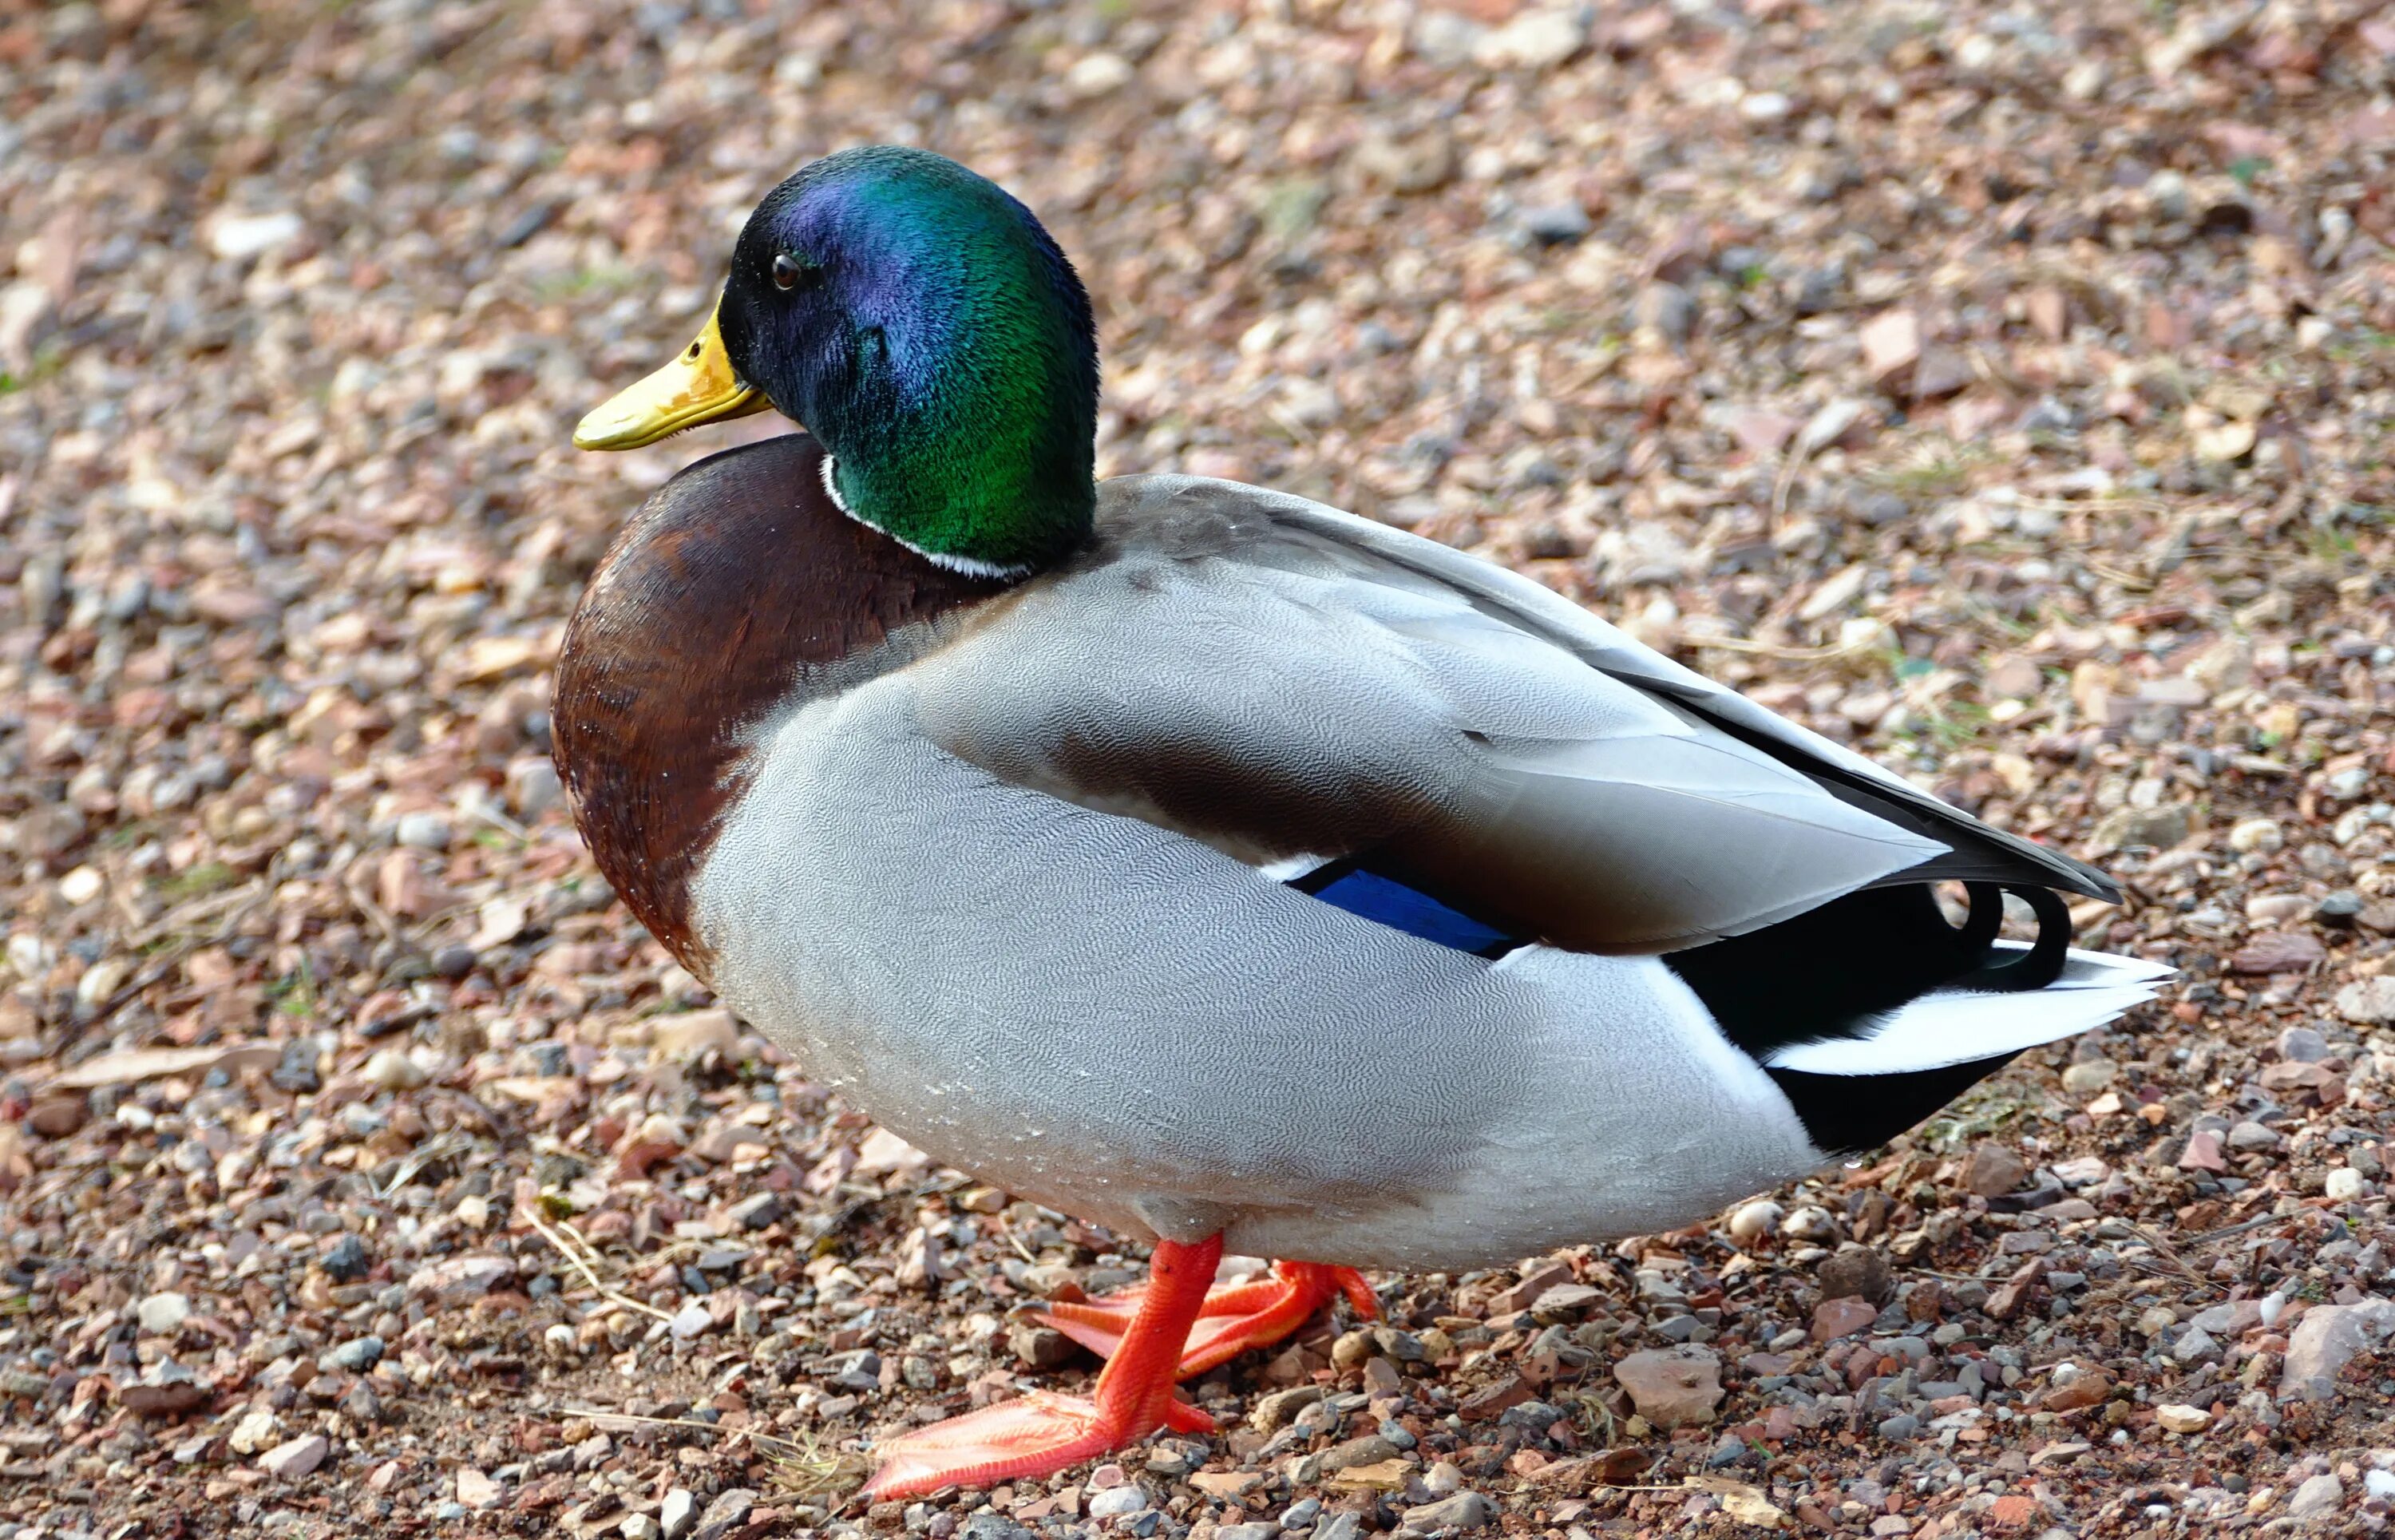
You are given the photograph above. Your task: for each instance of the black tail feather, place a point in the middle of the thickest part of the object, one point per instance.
(1833, 972)
(2037, 967)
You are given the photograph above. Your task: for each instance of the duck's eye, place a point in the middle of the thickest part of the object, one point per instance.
(789, 272)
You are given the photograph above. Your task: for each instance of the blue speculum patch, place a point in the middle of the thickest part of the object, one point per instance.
(1386, 901)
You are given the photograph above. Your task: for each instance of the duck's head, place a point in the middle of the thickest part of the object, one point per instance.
(921, 324)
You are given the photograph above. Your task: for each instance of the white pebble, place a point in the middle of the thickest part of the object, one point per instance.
(2343, 1185)
(164, 1314)
(238, 236)
(423, 832)
(393, 1071)
(1116, 1502)
(1754, 1221)
(2255, 834)
(1095, 74)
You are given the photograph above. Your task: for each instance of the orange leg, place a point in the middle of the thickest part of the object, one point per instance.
(1041, 1433)
(1233, 1319)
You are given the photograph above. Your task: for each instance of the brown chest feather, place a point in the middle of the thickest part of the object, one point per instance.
(734, 581)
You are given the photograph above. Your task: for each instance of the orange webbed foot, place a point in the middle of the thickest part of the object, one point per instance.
(1034, 1436)
(1042, 1434)
(1234, 1317)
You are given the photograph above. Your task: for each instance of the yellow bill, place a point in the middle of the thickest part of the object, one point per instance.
(698, 386)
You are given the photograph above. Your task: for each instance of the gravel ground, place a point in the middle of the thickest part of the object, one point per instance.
(2002, 389)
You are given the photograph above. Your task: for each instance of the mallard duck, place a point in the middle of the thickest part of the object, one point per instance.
(1213, 865)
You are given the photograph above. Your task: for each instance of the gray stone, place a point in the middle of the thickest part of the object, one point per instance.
(356, 1355)
(1854, 1270)
(1040, 1346)
(1992, 1170)
(757, 1212)
(1556, 223)
(458, 1279)
(2253, 1136)
(1903, 1426)
(675, 1514)
(164, 1314)
(2339, 909)
(1674, 1386)
(27, 317)
(2156, 827)
(1276, 1410)
(2369, 1000)
(1464, 1510)
(296, 1071)
(348, 1260)
(2089, 1076)
(254, 1432)
(1370, 1449)
(2302, 1045)
(2318, 1497)
(991, 1526)
(1665, 309)
(362, 1405)
(1117, 1502)
(1418, 165)
(393, 1071)
(728, 1512)
(299, 1458)
(1535, 40)
(2233, 1319)
(237, 237)
(423, 832)
(532, 787)
(2327, 1339)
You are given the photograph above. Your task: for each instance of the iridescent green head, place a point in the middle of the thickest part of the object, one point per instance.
(921, 324)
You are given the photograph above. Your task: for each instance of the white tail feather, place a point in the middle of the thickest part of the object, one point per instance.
(1957, 1026)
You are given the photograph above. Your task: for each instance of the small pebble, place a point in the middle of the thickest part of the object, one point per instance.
(356, 1355)
(299, 1458)
(2256, 834)
(423, 832)
(1116, 1502)
(1751, 1222)
(164, 1314)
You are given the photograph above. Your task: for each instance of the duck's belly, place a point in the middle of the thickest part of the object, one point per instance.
(1105, 1017)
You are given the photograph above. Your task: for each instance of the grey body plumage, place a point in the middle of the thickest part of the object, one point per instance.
(1005, 892)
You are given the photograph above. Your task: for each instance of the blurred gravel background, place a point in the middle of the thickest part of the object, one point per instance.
(2004, 389)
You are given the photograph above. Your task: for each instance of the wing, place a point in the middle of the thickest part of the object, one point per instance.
(1976, 851)
(1283, 681)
